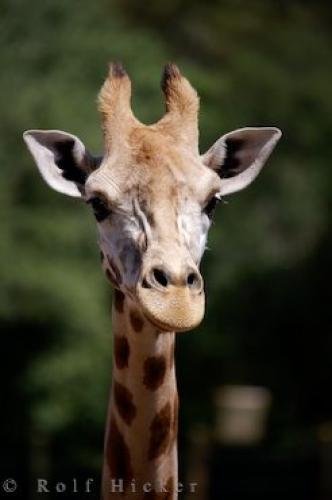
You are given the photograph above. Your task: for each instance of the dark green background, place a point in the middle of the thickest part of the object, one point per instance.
(268, 267)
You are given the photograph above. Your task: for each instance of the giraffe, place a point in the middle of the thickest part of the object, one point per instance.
(153, 196)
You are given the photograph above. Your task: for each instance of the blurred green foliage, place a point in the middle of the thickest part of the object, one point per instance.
(267, 63)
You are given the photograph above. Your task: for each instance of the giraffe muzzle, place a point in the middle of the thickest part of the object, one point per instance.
(172, 302)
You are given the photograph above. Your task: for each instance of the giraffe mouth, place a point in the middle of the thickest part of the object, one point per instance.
(177, 309)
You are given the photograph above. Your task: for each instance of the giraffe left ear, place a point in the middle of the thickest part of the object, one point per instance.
(62, 159)
(239, 156)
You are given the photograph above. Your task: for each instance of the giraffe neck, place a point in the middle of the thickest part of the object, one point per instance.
(141, 431)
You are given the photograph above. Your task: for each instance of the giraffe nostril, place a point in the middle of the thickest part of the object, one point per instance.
(160, 277)
(193, 280)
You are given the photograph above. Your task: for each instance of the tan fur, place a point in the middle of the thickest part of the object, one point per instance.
(179, 122)
(182, 106)
(150, 195)
(150, 455)
(114, 106)
(136, 165)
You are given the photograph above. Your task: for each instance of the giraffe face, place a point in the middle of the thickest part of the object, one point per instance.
(153, 218)
(152, 193)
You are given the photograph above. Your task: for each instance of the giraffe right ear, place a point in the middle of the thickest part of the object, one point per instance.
(62, 159)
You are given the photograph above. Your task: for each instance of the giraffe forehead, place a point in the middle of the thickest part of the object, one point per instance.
(153, 167)
(173, 188)
(171, 171)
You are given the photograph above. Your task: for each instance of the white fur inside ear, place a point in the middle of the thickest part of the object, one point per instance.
(39, 145)
(258, 145)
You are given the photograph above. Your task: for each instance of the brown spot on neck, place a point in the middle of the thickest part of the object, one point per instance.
(160, 430)
(119, 299)
(136, 321)
(117, 454)
(154, 372)
(121, 351)
(123, 399)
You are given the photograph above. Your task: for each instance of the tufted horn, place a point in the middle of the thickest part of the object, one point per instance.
(114, 104)
(182, 106)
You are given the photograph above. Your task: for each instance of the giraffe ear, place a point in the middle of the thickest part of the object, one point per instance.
(62, 159)
(239, 156)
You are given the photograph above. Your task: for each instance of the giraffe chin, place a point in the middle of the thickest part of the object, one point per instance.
(177, 309)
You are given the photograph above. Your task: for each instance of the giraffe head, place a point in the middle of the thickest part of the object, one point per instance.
(152, 193)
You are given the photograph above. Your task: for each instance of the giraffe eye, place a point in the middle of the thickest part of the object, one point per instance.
(211, 206)
(100, 208)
